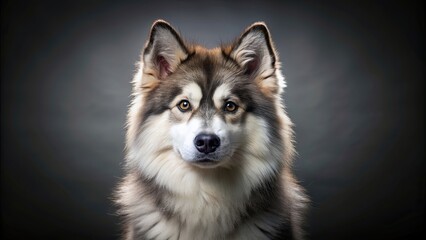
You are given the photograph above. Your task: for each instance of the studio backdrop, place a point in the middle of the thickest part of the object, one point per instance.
(354, 91)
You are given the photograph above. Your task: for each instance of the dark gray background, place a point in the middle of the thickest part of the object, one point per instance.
(355, 92)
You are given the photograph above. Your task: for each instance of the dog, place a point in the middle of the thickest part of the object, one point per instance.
(209, 146)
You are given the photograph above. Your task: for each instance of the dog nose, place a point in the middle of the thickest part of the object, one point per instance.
(206, 143)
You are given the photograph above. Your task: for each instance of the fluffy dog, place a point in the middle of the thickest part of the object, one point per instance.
(209, 145)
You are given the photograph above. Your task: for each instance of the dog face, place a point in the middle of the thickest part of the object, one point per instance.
(207, 128)
(209, 105)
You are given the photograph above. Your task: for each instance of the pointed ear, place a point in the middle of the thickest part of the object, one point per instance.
(254, 50)
(164, 50)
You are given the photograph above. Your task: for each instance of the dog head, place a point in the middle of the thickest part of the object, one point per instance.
(208, 107)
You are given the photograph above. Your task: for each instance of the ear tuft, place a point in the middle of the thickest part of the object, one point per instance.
(164, 51)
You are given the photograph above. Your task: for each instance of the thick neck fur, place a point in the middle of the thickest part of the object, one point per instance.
(213, 211)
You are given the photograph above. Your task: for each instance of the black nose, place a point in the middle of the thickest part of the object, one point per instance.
(206, 143)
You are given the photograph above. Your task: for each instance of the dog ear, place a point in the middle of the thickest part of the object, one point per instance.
(164, 50)
(255, 53)
(254, 50)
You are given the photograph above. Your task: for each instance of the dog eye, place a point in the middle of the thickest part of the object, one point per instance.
(184, 106)
(230, 107)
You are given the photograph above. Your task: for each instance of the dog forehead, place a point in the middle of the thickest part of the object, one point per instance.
(209, 68)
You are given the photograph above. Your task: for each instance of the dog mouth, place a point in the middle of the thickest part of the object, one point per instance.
(205, 162)
(211, 160)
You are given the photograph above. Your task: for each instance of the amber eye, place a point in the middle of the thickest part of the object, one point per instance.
(230, 107)
(184, 106)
